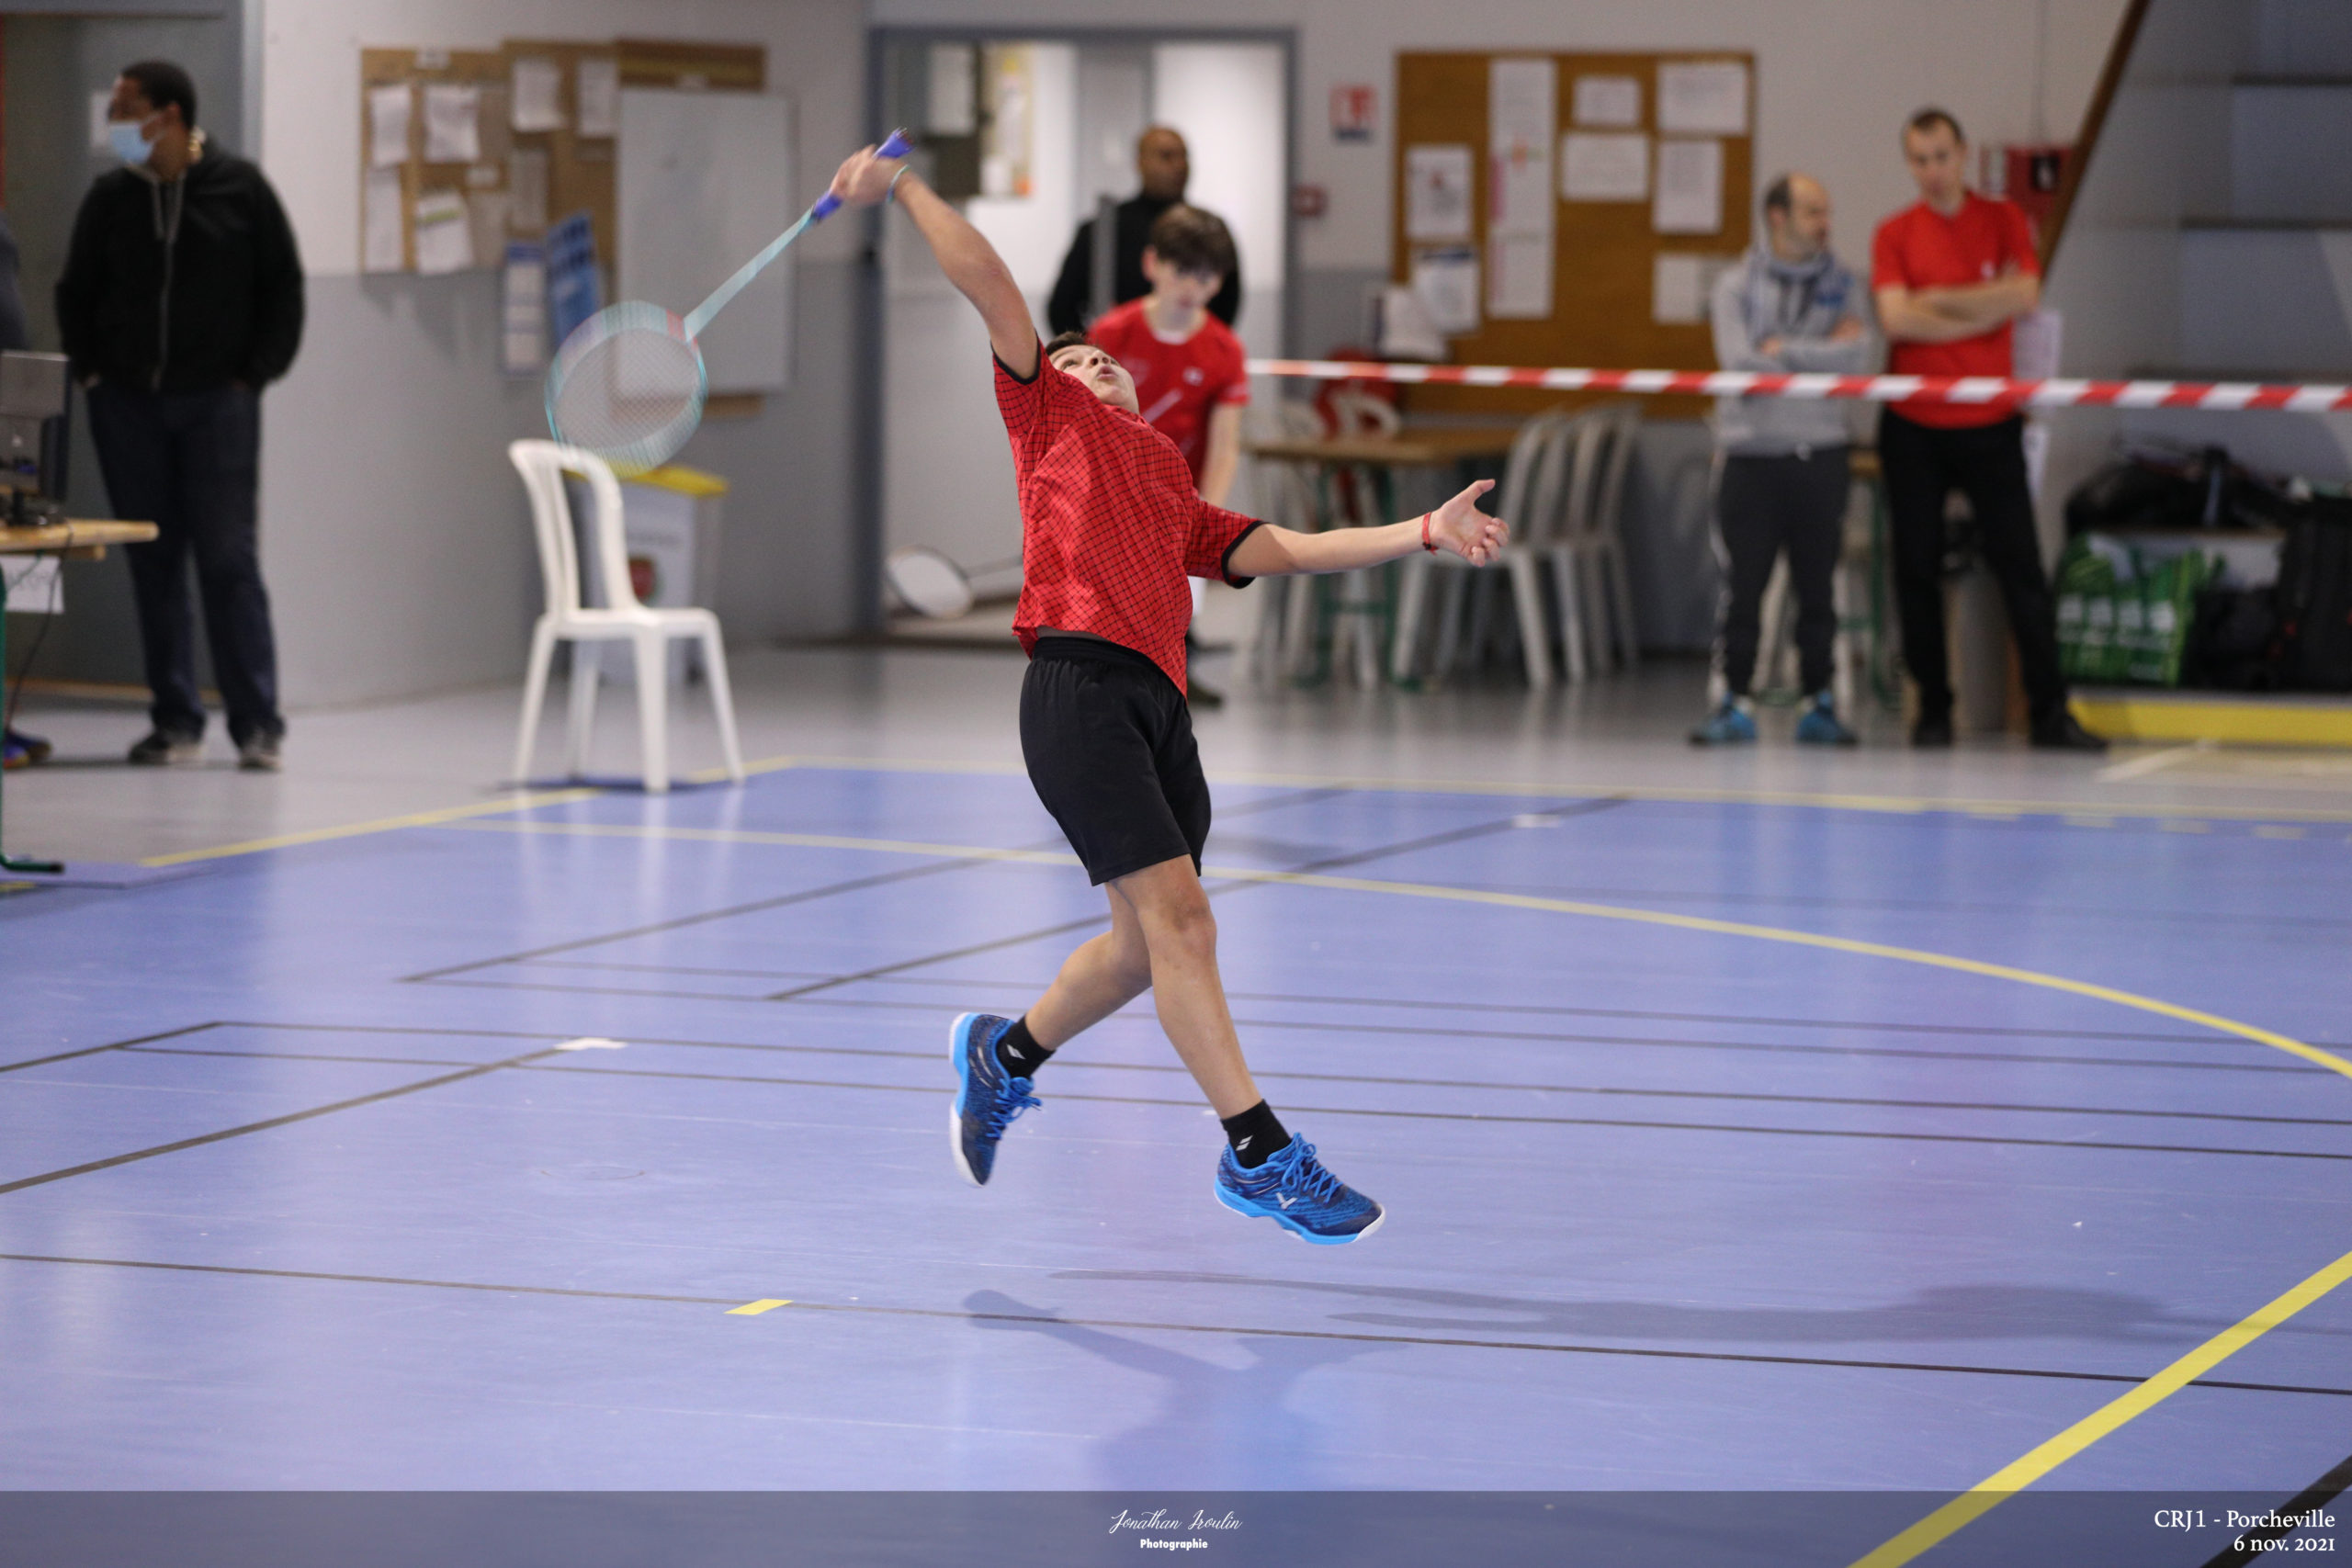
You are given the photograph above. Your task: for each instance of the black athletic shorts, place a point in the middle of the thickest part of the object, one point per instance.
(1109, 743)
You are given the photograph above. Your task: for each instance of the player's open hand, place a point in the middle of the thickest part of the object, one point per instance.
(865, 177)
(1460, 528)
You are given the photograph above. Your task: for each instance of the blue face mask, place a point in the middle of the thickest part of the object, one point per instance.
(123, 136)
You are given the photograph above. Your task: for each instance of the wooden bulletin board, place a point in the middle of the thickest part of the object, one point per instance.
(1604, 253)
(480, 181)
(580, 170)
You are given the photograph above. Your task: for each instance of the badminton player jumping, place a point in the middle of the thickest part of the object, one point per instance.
(1111, 525)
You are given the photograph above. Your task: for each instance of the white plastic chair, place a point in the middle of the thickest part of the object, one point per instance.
(621, 618)
(1589, 559)
(1529, 500)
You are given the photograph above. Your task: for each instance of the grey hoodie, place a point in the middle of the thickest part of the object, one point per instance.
(1800, 303)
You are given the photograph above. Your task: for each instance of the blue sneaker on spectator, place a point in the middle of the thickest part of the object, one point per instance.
(1734, 724)
(1821, 725)
(1295, 1191)
(986, 1098)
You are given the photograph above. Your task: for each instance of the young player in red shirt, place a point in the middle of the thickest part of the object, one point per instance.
(1191, 382)
(1191, 378)
(1111, 525)
(1949, 276)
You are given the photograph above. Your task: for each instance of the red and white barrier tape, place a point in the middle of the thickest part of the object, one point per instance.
(2053, 393)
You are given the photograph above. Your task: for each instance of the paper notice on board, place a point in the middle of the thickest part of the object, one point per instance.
(1609, 100)
(1678, 289)
(379, 223)
(1437, 193)
(1689, 198)
(526, 189)
(387, 116)
(536, 84)
(1447, 282)
(1519, 284)
(1711, 99)
(444, 233)
(596, 88)
(1520, 116)
(452, 122)
(1604, 167)
(36, 586)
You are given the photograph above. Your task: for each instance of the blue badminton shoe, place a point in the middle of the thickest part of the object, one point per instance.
(1295, 1191)
(987, 1097)
(1730, 725)
(1822, 727)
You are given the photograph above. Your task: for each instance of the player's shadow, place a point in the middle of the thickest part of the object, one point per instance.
(1940, 1314)
(1236, 1421)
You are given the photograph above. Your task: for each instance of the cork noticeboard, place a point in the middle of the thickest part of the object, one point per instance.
(424, 170)
(1605, 279)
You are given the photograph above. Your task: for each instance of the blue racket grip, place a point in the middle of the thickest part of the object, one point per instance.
(894, 146)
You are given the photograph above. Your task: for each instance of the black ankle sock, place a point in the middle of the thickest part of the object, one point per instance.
(1018, 1053)
(1256, 1134)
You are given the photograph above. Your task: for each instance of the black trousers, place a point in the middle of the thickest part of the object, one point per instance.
(1923, 465)
(189, 462)
(1763, 506)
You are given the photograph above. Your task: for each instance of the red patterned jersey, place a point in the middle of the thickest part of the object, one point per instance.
(1179, 384)
(1110, 523)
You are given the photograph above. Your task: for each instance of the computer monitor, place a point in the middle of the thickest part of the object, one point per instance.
(35, 398)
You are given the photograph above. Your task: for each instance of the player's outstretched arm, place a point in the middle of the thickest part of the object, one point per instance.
(1458, 528)
(970, 263)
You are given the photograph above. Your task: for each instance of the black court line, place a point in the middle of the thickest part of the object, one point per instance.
(2311, 1499)
(1177, 1069)
(971, 1315)
(1491, 1119)
(1354, 857)
(111, 1045)
(201, 1139)
(855, 885)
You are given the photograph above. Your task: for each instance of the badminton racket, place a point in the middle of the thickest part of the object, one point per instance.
(629, 384)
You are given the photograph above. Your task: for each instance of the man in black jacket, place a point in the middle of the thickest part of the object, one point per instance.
(1165, 166)
(182, 298)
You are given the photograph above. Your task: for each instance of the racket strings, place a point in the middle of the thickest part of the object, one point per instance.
(629, 388)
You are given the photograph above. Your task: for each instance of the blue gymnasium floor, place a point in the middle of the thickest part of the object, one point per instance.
(300, 1190)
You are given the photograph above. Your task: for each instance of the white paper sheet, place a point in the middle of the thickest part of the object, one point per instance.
(1519, 285)
(36, 587)
(1437, 193)
(444, 233)
(452, 122)
(951, 106)
(1678, 289)
(1520, 116)
(526, 189)
(1609, 100)
(379, 223)
(537, 86)
(1709, 98)
(486, 214)
(1689, 198)
(1604, 167)
(387, 116)
(1447, 282)
(596, 87)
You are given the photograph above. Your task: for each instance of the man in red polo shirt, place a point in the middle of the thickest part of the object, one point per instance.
(1950, 274)
(1111, 525)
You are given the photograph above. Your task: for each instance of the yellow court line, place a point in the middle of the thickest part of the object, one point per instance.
(382, 825)
(1998, 1487)
(753, 1309)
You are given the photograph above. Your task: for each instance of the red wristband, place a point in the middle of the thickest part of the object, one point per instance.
(1425, 535)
